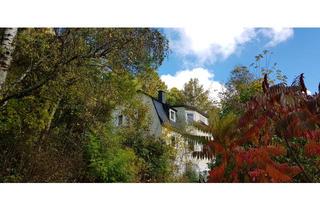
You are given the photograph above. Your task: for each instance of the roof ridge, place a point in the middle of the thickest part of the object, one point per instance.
(156, 99)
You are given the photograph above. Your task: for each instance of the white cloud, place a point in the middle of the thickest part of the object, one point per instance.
(277, 35)
(205, 78)
(208, 44)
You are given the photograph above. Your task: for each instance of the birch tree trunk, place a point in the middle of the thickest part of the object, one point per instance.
(6, 50)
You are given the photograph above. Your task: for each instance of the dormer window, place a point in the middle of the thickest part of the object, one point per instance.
(190, 118)
(172, 115)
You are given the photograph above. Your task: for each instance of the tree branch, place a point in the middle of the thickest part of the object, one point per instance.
(297, 161)
(54, 74)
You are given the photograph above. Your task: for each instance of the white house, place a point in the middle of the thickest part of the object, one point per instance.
(165, 123)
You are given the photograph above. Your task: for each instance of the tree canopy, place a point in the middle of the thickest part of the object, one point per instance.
(60, 86)
(57, 100)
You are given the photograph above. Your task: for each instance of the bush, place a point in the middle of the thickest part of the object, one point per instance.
(109, 161)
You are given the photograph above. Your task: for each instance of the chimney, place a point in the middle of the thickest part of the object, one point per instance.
(162, 96)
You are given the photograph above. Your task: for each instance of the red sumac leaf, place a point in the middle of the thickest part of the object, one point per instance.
(276, 175)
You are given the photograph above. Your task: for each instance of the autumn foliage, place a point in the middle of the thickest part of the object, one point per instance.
(277, 139)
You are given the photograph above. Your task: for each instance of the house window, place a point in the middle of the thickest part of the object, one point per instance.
(119, 120)
(172, 115)
(190, 118)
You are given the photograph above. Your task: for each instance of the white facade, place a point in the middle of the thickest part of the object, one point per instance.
(181, 117)
(200, 165)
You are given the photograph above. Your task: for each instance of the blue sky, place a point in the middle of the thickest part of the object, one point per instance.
(210, 54)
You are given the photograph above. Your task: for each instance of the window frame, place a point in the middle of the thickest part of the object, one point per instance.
(193, 117)
(172, 117)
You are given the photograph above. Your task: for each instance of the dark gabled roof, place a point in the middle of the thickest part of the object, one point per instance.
(193, 109)
(162, 109)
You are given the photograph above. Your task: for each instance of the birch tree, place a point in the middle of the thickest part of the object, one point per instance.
(6, 50)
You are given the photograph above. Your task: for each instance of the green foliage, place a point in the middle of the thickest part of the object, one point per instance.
(240, 88)
(221, 124)
(175, 97)
(196, 96)
(62, 85)
(310, 163)
(150, 82)
(155, 156)
(243, 85)
(130, 153)
(109, 161)
(193, 94)
(190, 175)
